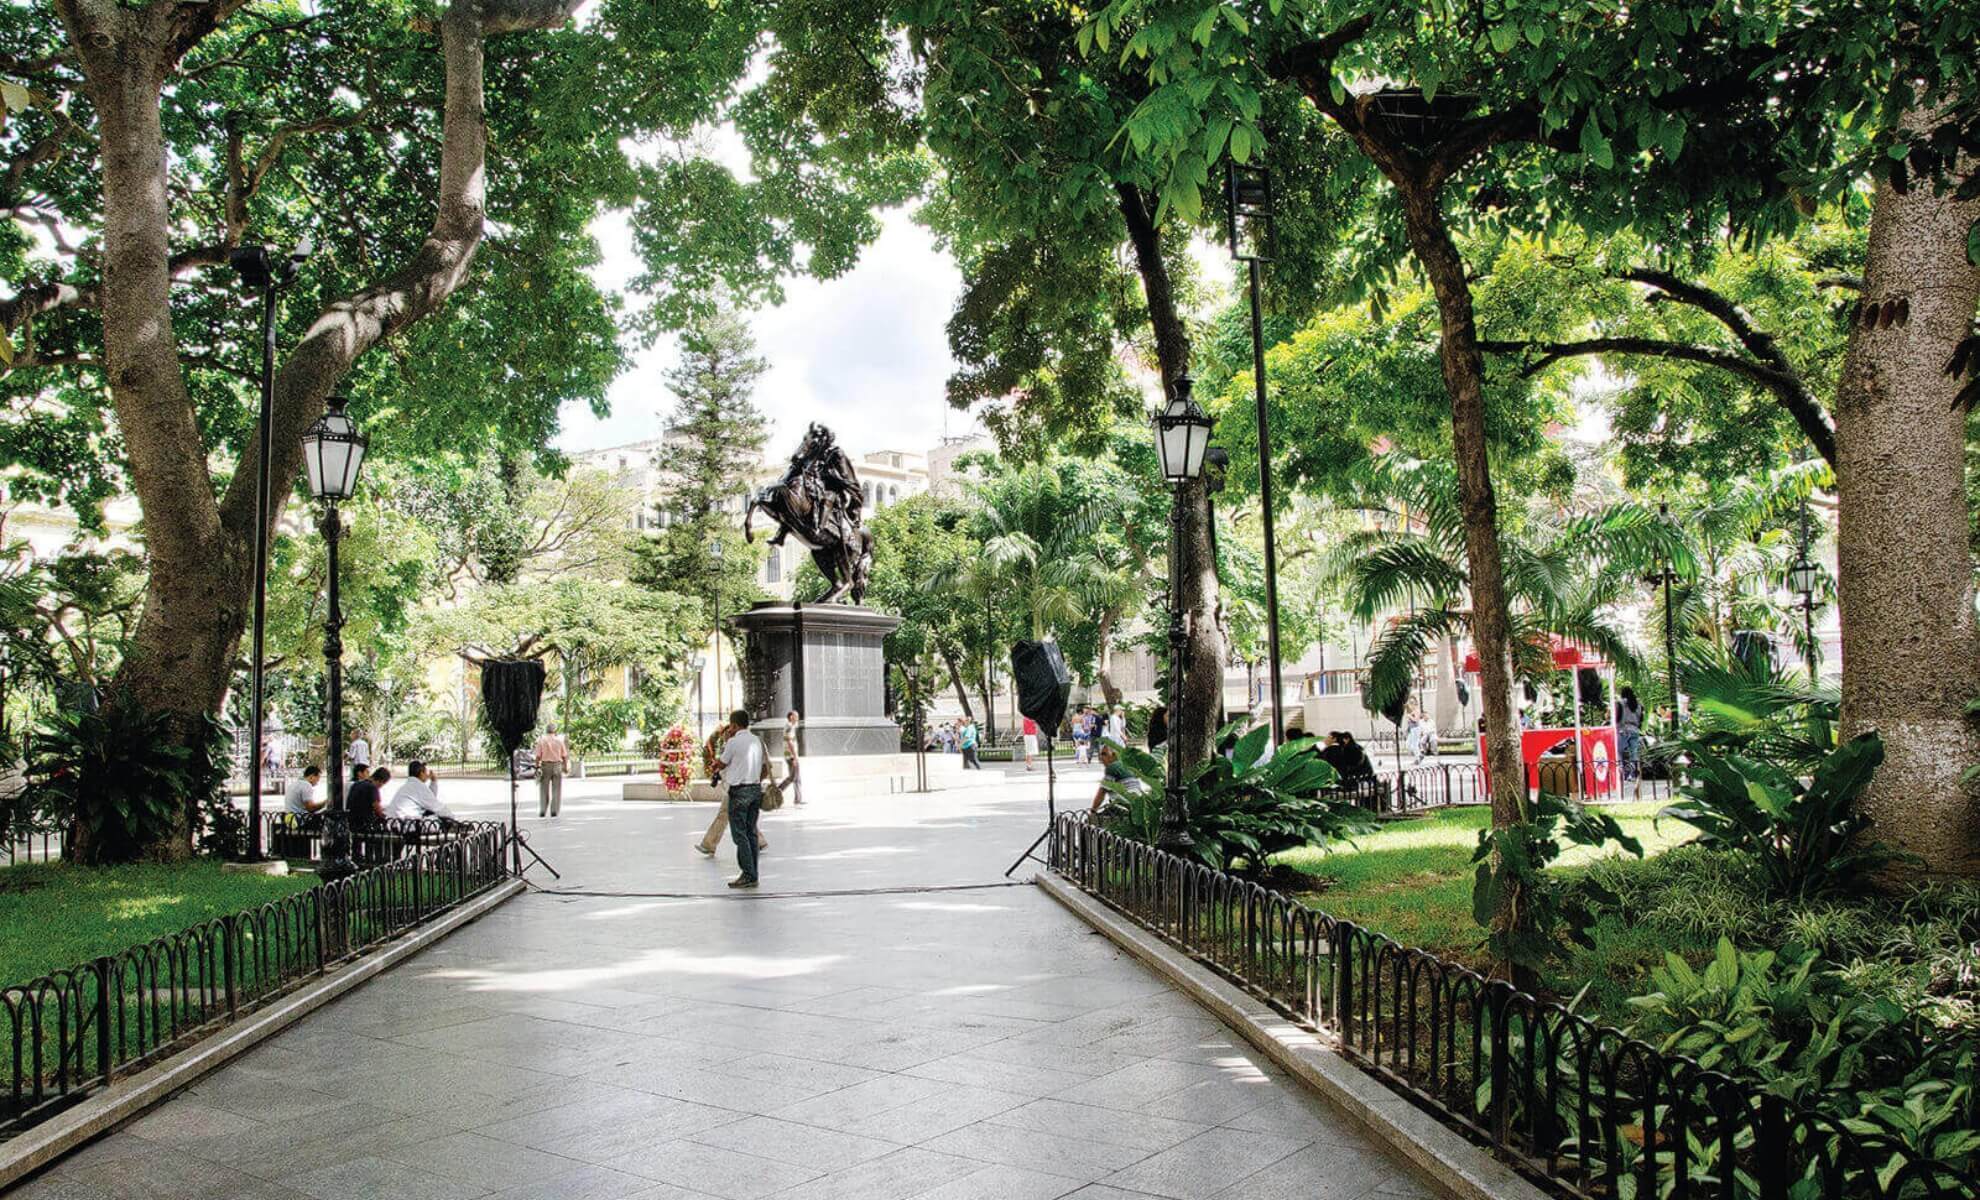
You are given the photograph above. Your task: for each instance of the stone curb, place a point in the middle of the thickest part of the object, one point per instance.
(1455, 1166)
(126, 1098)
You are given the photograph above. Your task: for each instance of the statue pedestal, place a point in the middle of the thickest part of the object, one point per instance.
(828, 662)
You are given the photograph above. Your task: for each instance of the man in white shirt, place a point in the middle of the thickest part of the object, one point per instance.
(744, 768)
(300, 796)
(416, 797)
(1117, 728)
(360, 753)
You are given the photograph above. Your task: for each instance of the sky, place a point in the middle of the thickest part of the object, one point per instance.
(866, 353)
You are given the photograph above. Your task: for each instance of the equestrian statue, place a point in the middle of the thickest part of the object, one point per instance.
(818, 503)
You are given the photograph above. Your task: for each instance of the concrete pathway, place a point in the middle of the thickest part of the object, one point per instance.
(651, 1036)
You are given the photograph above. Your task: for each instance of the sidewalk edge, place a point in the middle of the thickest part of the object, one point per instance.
(42, 1144)
(1458, 1168)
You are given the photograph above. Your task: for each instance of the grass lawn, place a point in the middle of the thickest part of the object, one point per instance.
(1411, 881)
(54, 915)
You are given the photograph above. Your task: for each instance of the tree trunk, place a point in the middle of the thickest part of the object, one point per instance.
(1193, 730)
(1464, 379)
(198, 594)
(184, 642)
(1105, 669)
(956, 678)
(1912, 650)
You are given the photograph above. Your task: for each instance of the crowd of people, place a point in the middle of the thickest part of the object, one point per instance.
(1086, 728)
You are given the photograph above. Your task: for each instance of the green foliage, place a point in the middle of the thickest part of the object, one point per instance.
(1523, 909)
(1806, 837)
(124, 776)
(1563, 575)
(1242, 809)
(1807, 1035)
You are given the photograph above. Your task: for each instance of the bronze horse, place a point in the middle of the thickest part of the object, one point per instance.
(817, 502)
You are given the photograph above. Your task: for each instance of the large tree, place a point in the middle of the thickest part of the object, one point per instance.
(156, 137)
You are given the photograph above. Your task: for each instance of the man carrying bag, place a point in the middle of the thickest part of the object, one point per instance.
(745, 767)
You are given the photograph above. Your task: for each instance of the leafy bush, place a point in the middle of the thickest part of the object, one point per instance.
(127, 777)
(1244, 808)
(1810, 1036)
(1512, 879)
(1805, 837)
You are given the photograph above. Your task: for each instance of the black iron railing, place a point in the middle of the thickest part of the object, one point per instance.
(1582, 1107)
(73, 1031)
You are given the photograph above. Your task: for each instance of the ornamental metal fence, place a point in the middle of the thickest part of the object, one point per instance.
(73, 1031)
(1584, 1108)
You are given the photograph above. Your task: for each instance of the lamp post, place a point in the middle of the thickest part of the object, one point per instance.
(715, 553)
(1803, 577)
(264, 270)
(1182, 433)
(1248, 226)
(1666, 577)
(333, 453)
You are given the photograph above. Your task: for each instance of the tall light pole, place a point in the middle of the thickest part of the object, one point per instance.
(333, 453)
(263, 270)
(1803, 577)
(1666, 577)
(715, 553)
(1248, 226)
(1182, 434)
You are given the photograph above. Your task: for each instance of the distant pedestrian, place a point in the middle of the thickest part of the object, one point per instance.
(552, 754)
(360, 754)
(744, 768)
(1116, 726)
(1030, 729)
(1629, 736)
(300, 797)
(967, 740)
(1082, 733)
(792, 751)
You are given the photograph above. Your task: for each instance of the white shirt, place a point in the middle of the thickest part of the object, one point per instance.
(1117, 729)
(742, 759)
(361, 752)
(299, 798)
(414, 800)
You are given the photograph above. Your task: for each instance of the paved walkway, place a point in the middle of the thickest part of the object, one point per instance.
(664, 1039)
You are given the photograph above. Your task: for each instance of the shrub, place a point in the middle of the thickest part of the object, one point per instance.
(1244, 808)
(1512, 874)
(1805, 837)
(125, 776)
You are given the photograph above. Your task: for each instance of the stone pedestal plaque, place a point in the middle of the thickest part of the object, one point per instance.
(828, 662)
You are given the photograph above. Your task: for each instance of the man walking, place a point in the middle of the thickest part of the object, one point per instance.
(551, 752)
(744, 768)
(359, 754)
(968, 742)
(791, 751)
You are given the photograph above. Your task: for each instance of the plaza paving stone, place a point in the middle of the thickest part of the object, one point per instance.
(882, 1021)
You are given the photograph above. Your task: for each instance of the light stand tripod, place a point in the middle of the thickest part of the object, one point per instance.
(518, 840)
(1051, 815)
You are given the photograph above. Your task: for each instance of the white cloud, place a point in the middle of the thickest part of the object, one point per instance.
(867, 353)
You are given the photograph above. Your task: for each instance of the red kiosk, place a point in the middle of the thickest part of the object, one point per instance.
(1593, 747)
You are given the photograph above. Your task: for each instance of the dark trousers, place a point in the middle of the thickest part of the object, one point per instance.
(745, 805)
(969, 758)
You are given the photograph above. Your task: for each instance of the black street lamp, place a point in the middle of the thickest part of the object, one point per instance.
(1804, 577)
(264, 270)
(333, 453)
(1248, 226)
(1182, 434)
(1667, 576)
(715, 553)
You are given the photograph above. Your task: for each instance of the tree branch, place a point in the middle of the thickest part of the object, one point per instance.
(1787, 387)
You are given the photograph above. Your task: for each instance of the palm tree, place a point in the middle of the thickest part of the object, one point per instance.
(1564, 575)
(1035, 523)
